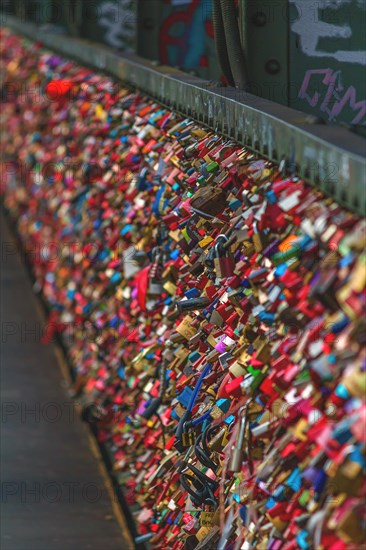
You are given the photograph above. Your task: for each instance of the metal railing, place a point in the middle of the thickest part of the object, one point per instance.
(331, 158)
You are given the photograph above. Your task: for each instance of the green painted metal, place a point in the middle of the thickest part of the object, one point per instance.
(265, 39)
(112, 22)
(327, 59)
(331, 158)
(148, 25)
(309, 55)
(178, 33)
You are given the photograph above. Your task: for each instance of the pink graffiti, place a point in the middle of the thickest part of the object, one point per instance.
(332, 97)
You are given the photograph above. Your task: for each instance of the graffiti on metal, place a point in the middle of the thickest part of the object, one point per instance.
(311, 29)
(331, 96)
(186, 35)
(119, 21)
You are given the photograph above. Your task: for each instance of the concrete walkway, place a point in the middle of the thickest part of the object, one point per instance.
(55, 493)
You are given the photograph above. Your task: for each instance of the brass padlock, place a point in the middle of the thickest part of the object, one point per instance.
(237, 453)
(220, 440)
(223, 261)
(188, 439)
(156, 273)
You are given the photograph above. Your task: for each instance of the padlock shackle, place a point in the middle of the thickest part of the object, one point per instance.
(218, 243)
(222, 236)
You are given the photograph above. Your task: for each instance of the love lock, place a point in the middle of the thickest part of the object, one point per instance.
(223, 261)
(156, 272)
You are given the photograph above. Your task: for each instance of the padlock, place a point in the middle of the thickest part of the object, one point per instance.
(156, 271)
(209, 201)
(188, 438)
(219, 441)
(223, 261)
(237, 452)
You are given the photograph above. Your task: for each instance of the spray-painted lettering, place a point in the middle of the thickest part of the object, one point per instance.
(330, 96)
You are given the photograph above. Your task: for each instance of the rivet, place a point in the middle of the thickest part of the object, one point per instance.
(259, 19)
(273, 66)
(148, 23)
